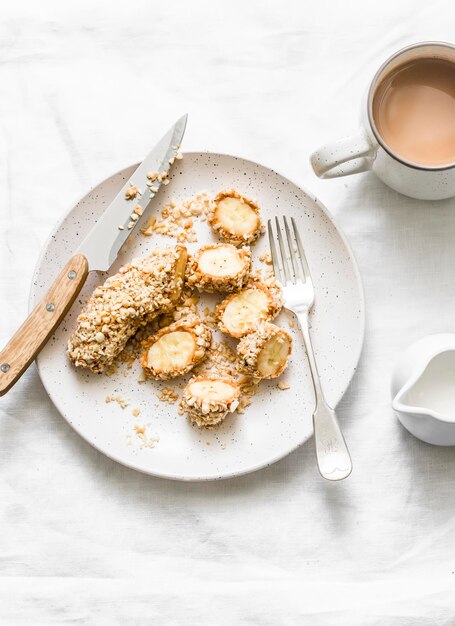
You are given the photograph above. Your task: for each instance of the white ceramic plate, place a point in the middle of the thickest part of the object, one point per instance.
(277, 421)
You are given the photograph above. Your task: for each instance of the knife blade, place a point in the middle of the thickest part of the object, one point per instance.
(97, 251)
(102, 244)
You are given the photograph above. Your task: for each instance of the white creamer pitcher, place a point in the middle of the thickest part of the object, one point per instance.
(423, 389)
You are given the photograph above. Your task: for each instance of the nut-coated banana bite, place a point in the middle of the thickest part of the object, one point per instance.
(219, 267)
(176, 349)
(208, 399)
(240, 312)
(236, 219)
(264, 353)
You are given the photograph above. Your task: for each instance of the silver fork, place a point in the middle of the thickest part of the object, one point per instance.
(292, 271)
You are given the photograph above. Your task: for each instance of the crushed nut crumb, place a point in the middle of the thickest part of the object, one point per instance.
(266, 258)
(120, 401)
(178, 220)
(168, 395)
(131, 192)
(147, 440)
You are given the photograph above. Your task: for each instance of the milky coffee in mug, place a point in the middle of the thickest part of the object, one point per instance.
(407, 126)
(414, 111)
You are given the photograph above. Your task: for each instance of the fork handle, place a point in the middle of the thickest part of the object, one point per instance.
(334, 460)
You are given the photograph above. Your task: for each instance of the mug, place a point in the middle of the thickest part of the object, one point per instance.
(366, 150)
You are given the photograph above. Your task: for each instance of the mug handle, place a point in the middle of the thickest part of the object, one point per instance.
(344, 157)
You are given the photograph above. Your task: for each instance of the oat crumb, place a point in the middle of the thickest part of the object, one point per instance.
(136, 411)
(283, 386)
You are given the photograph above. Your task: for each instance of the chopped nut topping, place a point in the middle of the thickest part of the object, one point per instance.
(131, 192)
(147, 440)
(120, 401)
(178, 220)
(266, 258)
(168, 395)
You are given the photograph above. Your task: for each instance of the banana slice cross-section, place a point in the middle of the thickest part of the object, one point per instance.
(240, 312)
(264, 353)
(219, 267)
(176, 349)
(208, 399)
(236, 218)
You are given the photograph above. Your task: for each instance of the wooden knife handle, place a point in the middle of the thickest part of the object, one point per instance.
(41, 323)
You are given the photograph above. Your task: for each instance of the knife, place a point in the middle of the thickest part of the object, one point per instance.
(97, 252)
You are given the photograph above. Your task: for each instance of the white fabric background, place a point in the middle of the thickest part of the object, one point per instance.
(84, 89)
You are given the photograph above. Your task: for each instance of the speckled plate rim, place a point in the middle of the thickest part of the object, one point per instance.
(254, 467)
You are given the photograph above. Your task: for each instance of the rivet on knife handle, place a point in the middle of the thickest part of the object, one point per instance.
(24, 346)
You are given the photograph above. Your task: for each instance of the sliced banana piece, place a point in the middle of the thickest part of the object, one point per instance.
(264, 353)
(176, 349)
(240, 312)
(208, 399)
(236, 218)
(219, 267)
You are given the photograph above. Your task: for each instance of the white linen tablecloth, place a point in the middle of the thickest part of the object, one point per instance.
(84, 89)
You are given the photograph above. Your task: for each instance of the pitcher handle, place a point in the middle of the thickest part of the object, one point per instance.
(344, 157)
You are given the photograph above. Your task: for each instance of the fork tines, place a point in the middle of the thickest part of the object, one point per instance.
(289, 261)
